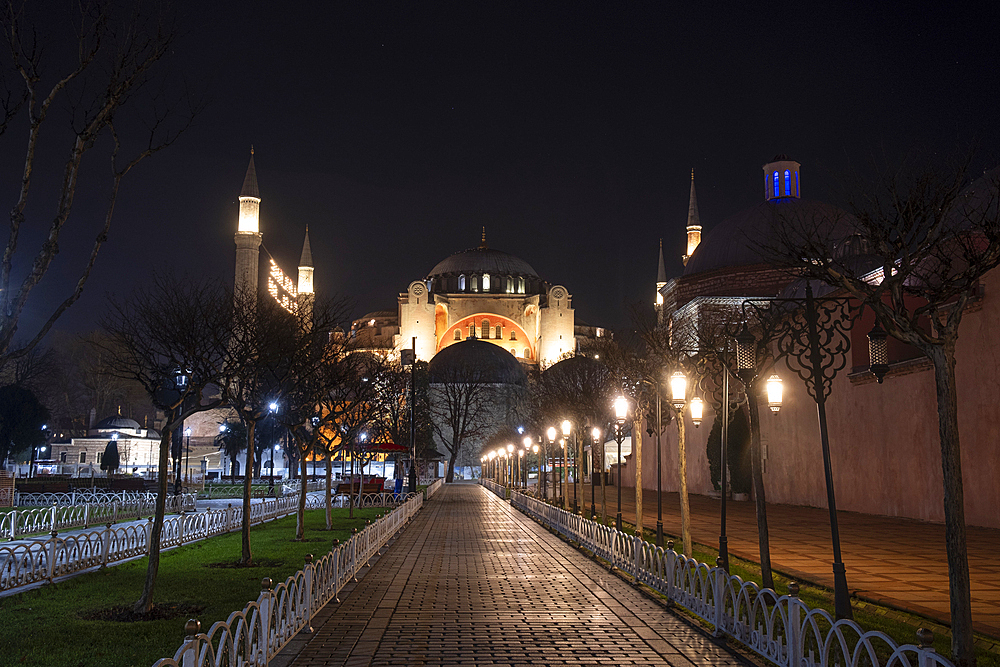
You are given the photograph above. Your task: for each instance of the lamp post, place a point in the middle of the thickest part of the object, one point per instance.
(272, 408)
(411, 357)
(527, 442)
(621, 414)
(538, 466)
(187, 454)
(551, 433)
(567, 428)
(815, 347)
(510, 465)
(596, 434)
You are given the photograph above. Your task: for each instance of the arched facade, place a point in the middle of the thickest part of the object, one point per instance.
(499, 330)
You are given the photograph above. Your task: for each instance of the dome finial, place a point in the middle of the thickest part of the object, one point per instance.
(692, 174)
(251, 149)
(482, 243)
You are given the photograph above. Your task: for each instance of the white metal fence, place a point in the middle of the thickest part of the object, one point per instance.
(39, 561)
(260, 630)
(85, 496)
(781, 628)
(93, 510)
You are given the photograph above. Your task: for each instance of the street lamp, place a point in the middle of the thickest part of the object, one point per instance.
(697, 409)
(678, 389)
(538, 465)
(187, 454)
(510, 464)
(567, 428)
(774, 393)
(621, 414)
(272, 408)
(522, 473)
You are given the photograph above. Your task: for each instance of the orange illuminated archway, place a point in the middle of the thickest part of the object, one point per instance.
(520, 346)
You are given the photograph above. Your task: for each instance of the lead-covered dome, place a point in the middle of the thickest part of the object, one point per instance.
(117, 423)
(743, 238)
(475, 360)
(482, 260)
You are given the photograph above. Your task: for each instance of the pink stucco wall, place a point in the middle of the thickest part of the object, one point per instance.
(883, 438)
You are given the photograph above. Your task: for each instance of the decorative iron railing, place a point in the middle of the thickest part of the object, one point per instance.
(92, 512)
(258, 632)
(780, 628)
(43, 560)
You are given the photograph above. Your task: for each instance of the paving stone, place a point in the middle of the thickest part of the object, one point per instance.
(473, 582)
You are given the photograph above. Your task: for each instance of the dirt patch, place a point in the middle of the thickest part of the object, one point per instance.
(162, 611)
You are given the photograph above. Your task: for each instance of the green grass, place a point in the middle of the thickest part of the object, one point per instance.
(44, 627)
(900, 625)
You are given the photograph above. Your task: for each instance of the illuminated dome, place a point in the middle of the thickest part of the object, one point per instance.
(474, 360)
(486, 270)
(482, 260)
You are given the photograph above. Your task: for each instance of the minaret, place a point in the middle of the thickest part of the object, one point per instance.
(305, 285)
(248, 237)
(693, 224)
(661, 278)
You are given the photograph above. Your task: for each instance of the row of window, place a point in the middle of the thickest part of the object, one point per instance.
(484, 331)
(791, 182)
(508, 284)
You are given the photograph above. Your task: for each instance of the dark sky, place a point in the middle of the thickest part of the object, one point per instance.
(397, 130)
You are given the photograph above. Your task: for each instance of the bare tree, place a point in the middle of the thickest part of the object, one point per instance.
(165, 337)
(914, 252)
(97, 94)
(462, 407)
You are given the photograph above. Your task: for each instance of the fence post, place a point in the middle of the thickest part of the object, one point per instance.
(637, 559)
(106, 547)
(191, 630)
(353, 554)
(180, 531)
(229, 517)
(720, 600)
(52, 557)
(336, 570)
(671, 564)
(13, 523)
(114, 511)
(149, 536)
(309, 571)
(86, 515)
(926, 638)
(794, 629)
(265, 620)
(52, 522)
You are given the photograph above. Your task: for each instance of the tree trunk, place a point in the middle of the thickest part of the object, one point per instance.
(757, 462)
(246, 557)
(962, 648)
(329, 489)
(450, 475)
(300, 515)
(145, 602)
(682, 475)
(637, 456)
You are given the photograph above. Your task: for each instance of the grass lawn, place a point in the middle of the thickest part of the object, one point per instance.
(899, 625)
(48, 626)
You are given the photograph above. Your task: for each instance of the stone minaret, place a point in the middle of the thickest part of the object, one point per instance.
(248, 237)
(305, 284)
(693, 224)
(661, 278)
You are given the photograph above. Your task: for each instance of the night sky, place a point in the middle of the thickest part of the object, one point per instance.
(396, 131)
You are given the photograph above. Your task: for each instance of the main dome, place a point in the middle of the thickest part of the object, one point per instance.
(482, 260)
(741, 239)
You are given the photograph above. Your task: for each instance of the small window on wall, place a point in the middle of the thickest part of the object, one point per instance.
(510, 285)
(513, 335)
(486, 329)
(62, 457)
(458, 334)
(472, 329)
(83, 457)
(499, 331)
(527, 353)
(461, 283)
(475, 283)
(520, 285)
(777, 193)
(99, 455)
(788, 183)
(486, 282)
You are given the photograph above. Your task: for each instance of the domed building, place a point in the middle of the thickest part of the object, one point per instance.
(486, 294)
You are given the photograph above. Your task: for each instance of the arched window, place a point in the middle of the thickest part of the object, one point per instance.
(499, 332)
(513, 335)
(520, 285)
(83, 457)
(486, 282)
(776, 192)
(485, 329)
(472, 329)
(527, 353)
(461, 283)
(458, 334)
(510, 285)
(475, 283)
(788, 183)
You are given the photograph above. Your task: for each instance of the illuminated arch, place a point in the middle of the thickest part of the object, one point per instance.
(474, 323)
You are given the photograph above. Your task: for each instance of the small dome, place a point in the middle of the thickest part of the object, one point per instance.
(117, 423)
(740, 240)
(474, 360)
(482, 260)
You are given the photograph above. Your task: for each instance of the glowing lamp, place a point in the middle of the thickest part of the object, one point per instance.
(678, 389)
(566, 428)
(551, 433)
(527, 442)
(697, 410)
(621, 409)
(877, 352)
(774, 393)
(510, 448)
(596, 434)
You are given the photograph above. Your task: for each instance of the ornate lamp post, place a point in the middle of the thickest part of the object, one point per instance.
(596, 435)
(621, 414)
(187, 454)
(567, 428)
(551, 433)
(510, 464)
(527, 442)
(522, 472)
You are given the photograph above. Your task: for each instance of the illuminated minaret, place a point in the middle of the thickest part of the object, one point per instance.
(693, 224)
(661, 278)
(248, 236)
(305, 285)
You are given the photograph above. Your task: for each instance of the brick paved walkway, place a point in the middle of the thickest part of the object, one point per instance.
(473, 582)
